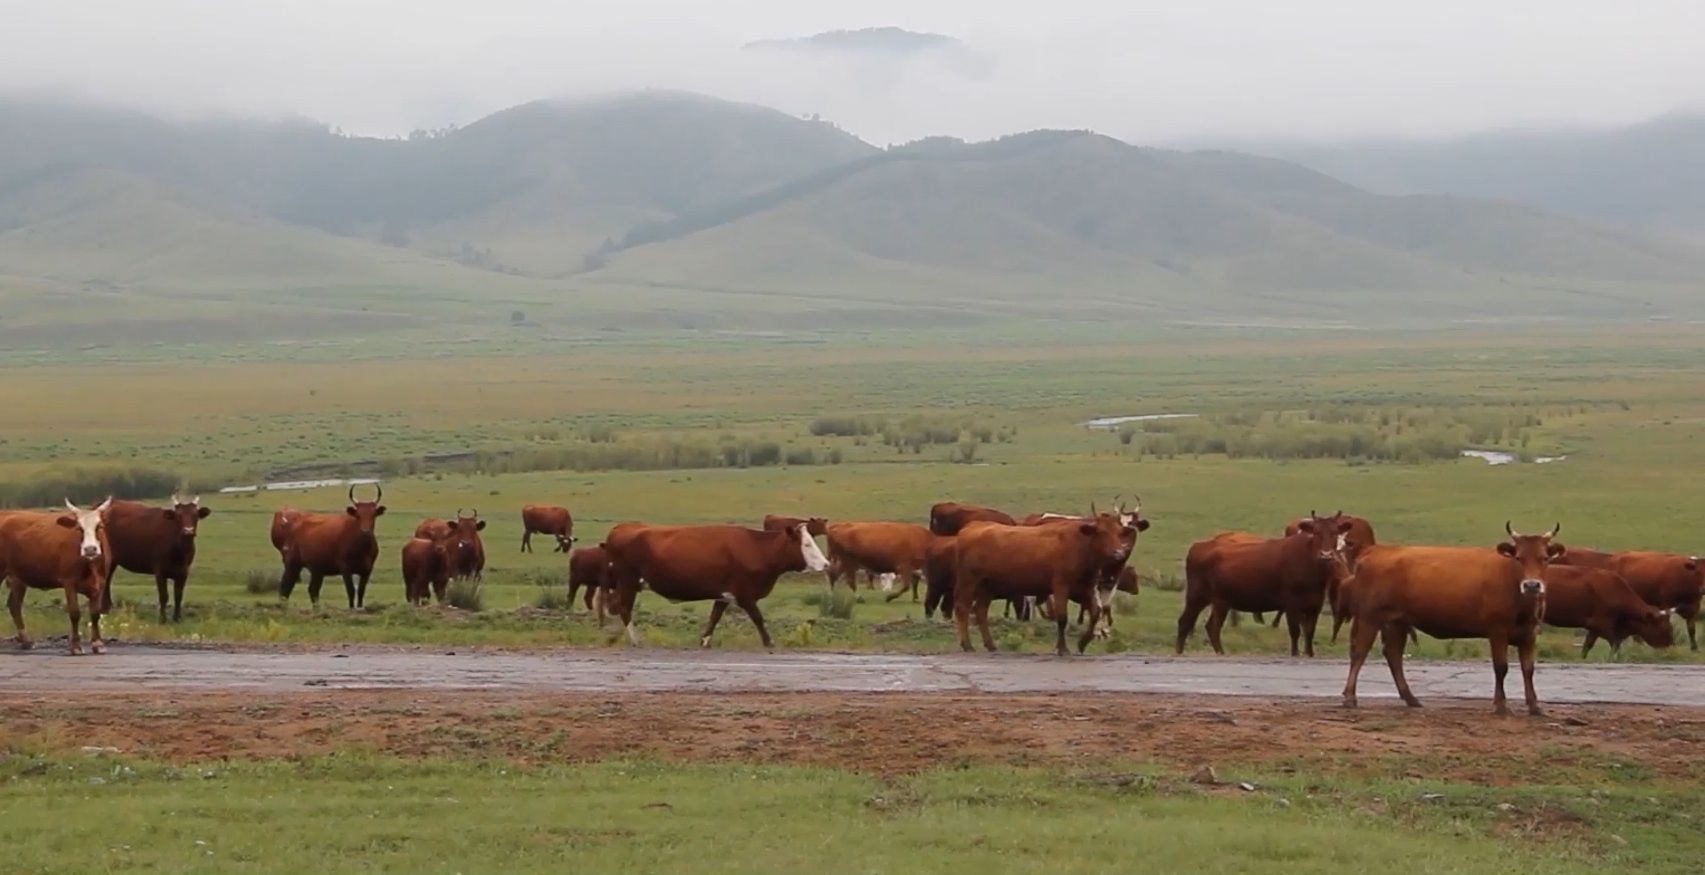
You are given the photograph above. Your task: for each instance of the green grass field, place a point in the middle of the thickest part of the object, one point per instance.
(1627, 409)
(353, 812)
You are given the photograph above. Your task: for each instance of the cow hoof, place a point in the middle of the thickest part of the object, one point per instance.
(1413, 703)
(97, 647)
(705, 641)
(1536, 712)
(76, 650)
(1349, 701)
(1501, 711)
(25, 644)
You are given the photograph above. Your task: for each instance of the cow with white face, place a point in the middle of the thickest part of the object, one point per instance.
(66, 551)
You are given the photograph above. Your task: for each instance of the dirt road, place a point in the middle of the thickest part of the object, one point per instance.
(138, 667)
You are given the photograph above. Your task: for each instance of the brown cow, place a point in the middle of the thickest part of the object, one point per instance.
(322, 543)
(1578, 597)
(546, 519)
(1358, 538)
(282, 520)
(1115, 577)
(67, 551)
(817, 526)
(948, 517)
(426, 567)
(154, 540)
(728, 564)
(586, 568)
(1452, 592)
(1062, 562)
(1243, 572)
(940, 561)
(884, 549)
(467, 560)
(1667, 580)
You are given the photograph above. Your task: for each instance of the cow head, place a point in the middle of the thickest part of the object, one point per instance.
(1326, 535)
(463, 533)
(93, 525)
(817, 526)
(810, 554)
(186, 514)
(366, 513)
(1653, 627)
(1132, 516)
(1533, 552)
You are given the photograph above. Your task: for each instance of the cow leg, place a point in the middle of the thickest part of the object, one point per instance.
(1277, 616)
(75, 612)
(1361, 641)
(1088, 630)
(1216, 622)
(1309, 622)
(1500, 667)
(1690, 613)
(526, 540)
(751, 609)
(962, 613)
(1525, 651)
(1394, 637)
(1187, 621)
(1590, 640)
(913, 577)
(361, 588)
(983, 623)
(15, 604)
(716, 610)
(315, 578)
(160, 588)
(440, 588)
(96, 645)
(178, 584)
(287, 581)
(1293, 625)
(106, 590)
(574, 587)
(1060, 606)
(349, 588)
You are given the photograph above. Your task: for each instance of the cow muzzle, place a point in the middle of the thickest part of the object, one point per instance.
(189, 533)
(90, 551)
(1533, 586)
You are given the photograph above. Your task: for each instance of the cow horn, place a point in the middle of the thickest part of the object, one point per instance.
(378, 493)
(1338, 513)
(1555, 528)
(352, 493)
(195, 500)
(1092, 511)
(1138, 506)
(1512, 532)
(475, 515)
(69, 506)
(176, 499)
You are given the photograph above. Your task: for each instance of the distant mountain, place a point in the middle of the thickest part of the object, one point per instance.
(1649, 174)
(891, 40)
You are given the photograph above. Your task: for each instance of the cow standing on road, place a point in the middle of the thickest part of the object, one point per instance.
(1061, 562)
(67, 551)
(729, 564)
(1237, 571)
(546, 519)
(342, 544)
(154, 540)
(1452, 592)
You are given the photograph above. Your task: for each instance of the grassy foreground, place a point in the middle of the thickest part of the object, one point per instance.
(357, 813)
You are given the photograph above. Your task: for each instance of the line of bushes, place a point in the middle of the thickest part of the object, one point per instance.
(638, 454)
(86, 484)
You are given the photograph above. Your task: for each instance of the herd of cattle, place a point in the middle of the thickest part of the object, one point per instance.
(967, 558)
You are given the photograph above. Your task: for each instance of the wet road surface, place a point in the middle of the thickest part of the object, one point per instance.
(134, 667)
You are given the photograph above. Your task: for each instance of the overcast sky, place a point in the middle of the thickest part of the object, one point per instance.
(1147, 72)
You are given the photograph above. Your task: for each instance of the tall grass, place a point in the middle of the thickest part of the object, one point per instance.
(86, 484)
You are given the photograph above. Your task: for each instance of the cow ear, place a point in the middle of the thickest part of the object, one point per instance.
(1507, 549)
(67, 521)
(203, 513)
(379, 511)
(1142, 525)
(1554, 550)
(350, 510)
(479, 526)
(170, 514)
(1344, 527)
(1087, 528)
(1306, 526)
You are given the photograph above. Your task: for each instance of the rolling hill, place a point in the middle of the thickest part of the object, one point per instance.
(666, 210)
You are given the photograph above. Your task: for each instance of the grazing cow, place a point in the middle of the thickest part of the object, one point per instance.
(586, 568)
(1452, 592)
(817, 526)
(546, 519)
(154, 540)
(948, 517)
(1236, 571)
(1667, 580)
(1063, 562)
(68, 551)
(322, 543)
(1358, 538)
(1578, 597)
(897, 549)
(729, 564)
(467, 559)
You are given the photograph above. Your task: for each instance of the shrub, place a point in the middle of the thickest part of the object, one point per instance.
(838, 604)
(258, 582)
(87, 484)
(801, 457)
(551, 598)
(465, 595)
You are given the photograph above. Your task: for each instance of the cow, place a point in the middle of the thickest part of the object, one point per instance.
(1063, 562)
(1358, 538)
(1452, 592)
(728, 564)
(940, 560)
(67, 550)
(546, 519)
(1667, 580)
(467, 560)
(1602, 603)
(342, 544)
(282, 520)
(154, 540)
(426, 567)
(586, 568)
(1237, 571)
(948, 517)
(1114, 578)
(817, 526)
(880, 548)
